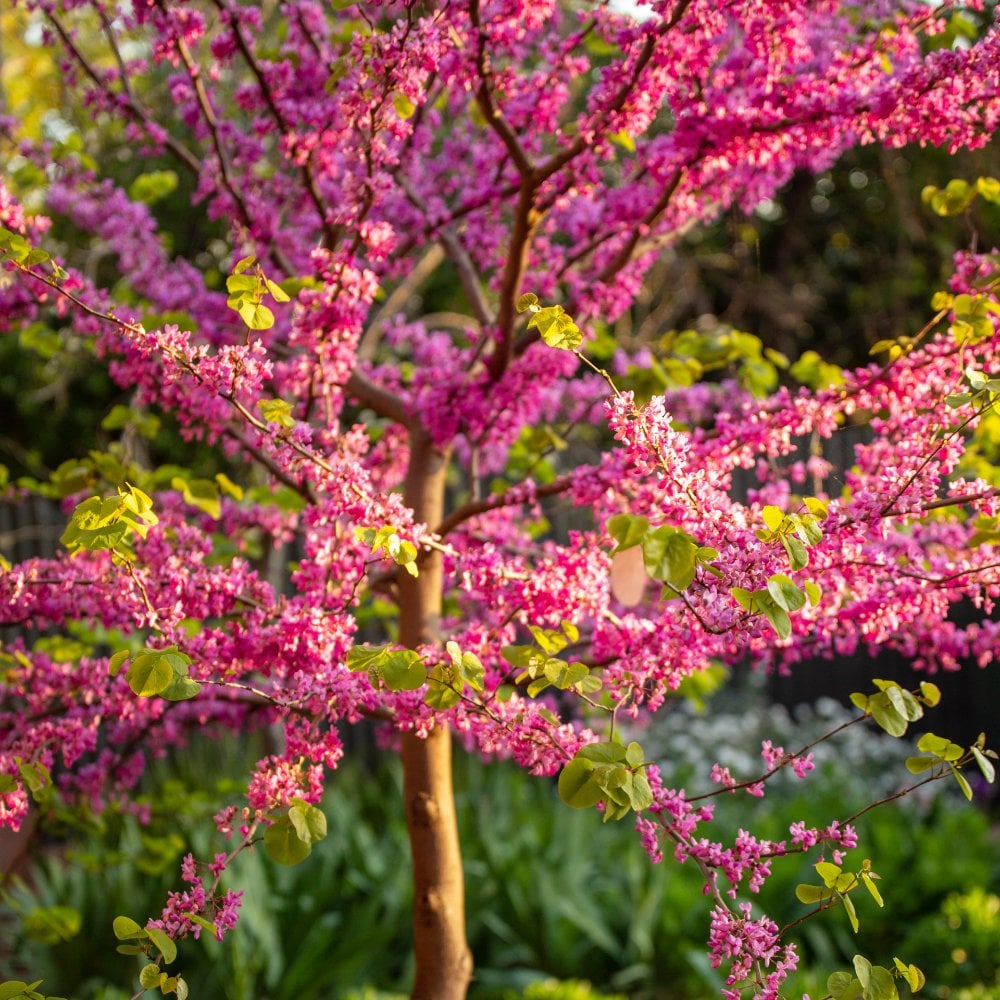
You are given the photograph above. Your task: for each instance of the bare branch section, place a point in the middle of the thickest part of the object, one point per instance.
(468, 275)
(397, 299)
(484, 97)
(495, 501)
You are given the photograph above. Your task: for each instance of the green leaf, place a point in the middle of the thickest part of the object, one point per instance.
(809, 894)
(604, 753)
(773, 517)
(882, 985)
(828, 872)
(13, 989)
(365, 657)
(886, 716)
(116, 661)
(939, 746)
(669, 556)
(149, 976)
(813, 592)
(277, 292)
(627, 530)
(818, 508)
(986, 766)
(798, 557)
(565, 675)
(200, 493)
(228, 486)
(806, 528)
(403, 670)
(472, 670)
(308, 821)
(962, 782)
(989, 188)
(843, 986)
(442, 692)
(852, 914)
(149, 674)
(785, 593)
(778, 617)
(623, 139)
(917, 765)
(165, 944)
(153, 186)
(640, 793)
(526, 301)
(869, 884)
(913, 976)
(35, 776)
(556, 328)
(256, 316)
(276, 411)
(283, 844)
(743, 597)
(126, 928)
(576, 785)
(405, 108)
(181, 689)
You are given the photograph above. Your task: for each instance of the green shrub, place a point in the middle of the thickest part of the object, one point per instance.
(553, 894)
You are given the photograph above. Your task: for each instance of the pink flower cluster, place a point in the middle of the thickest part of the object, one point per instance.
(221, 910)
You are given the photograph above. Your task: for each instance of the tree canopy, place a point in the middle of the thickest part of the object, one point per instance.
(414, 228)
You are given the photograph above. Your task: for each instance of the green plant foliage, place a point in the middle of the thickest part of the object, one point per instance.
(608, 773)
(277, 411)
(588, 906)
(247, 292)
(109, 523)
(290, 837)
(387, 542)
(398, 669)
(153, 186)
(541, 667)
(893, 707)
(873, 982)
(162, 672)
(565, 989)
(553, 324)
(447, 681)
(837, 883)
(669, 555)
(686, 356)
(777, 601)
(796, 531)
(16, 990)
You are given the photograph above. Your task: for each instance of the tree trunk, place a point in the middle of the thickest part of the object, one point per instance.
(443, 959)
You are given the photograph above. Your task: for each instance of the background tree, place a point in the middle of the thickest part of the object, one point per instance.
(530, 153)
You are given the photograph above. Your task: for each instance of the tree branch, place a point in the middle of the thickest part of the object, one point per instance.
(128, 105)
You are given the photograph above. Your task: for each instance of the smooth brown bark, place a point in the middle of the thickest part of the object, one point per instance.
(443, 959)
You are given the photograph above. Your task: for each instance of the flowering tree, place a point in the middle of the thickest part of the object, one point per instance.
(536, 153)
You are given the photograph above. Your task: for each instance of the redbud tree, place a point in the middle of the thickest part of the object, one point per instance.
(536, 158)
